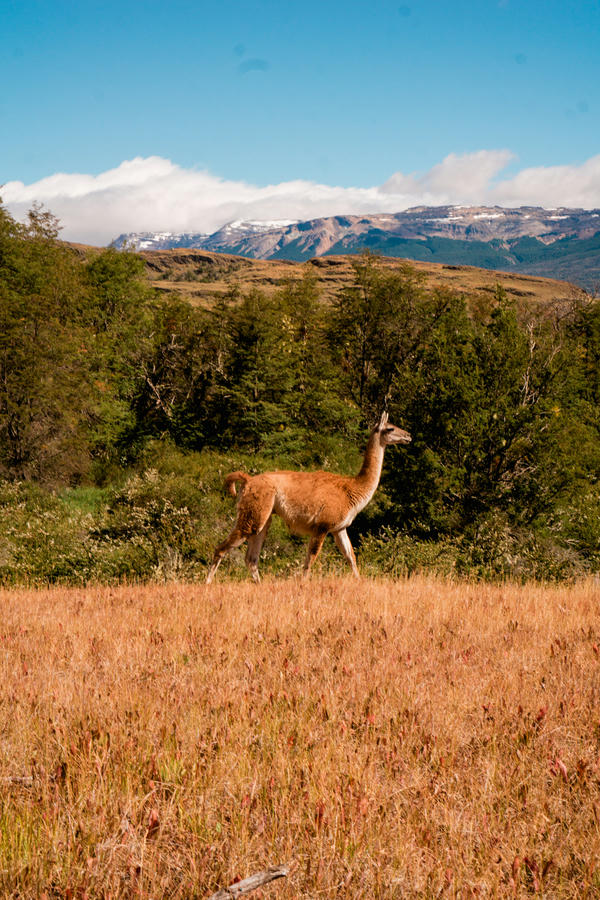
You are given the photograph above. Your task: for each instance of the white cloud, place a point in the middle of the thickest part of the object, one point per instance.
(457, 179)
(575, 186)
(154, 194)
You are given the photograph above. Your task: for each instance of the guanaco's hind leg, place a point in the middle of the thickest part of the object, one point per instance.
(234, 540)
(255, 543)
(343, 543)
(253, 517)
(314, 548)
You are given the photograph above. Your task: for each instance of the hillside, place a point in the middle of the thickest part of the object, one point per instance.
(558, 243)
(201, 276)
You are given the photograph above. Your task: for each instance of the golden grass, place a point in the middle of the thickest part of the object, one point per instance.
(334, 274)
(419, 738)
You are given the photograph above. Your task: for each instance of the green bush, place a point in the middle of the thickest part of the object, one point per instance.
(397, 555)
(43, 541)
(495, 549)
(491, 551)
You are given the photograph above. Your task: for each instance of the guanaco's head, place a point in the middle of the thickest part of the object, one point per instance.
(391, 434)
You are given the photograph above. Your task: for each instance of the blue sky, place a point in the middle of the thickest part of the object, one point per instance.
(337, 94)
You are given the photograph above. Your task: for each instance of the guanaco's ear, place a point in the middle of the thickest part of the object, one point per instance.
(383, 420)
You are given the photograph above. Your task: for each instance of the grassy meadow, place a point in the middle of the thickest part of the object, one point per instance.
(411, 738)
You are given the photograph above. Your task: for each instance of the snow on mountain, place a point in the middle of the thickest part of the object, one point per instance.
(252, 226)
(158, 240)
(232, 231)
(492, 237)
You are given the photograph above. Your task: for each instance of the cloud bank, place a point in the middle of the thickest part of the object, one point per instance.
(154, 194)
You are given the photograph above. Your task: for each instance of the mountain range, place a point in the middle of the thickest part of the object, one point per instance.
(556, 243)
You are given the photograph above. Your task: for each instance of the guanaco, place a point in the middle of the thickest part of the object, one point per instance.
(312, 503)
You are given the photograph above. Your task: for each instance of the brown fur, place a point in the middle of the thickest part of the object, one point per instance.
(311, 503)
(231, 479)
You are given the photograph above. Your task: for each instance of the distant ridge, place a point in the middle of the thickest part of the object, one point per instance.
(557, 243)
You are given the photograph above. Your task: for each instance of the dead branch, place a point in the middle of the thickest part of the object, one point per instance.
(251, 883)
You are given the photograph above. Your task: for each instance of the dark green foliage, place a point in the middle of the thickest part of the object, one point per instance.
(492, 425)
(280, 381)
(71, 334)
(378, 327)
(253, 372)
(97, 372)
(179, 372)
(43, 375)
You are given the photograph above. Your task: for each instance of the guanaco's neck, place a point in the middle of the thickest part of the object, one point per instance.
(370, 471)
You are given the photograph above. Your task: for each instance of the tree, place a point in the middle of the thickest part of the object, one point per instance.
(181, 370)
(378, 326)
(44, 384)
(70, 330)
(117, 318)
(494, 422)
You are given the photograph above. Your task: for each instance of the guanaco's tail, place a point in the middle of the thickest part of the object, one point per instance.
(231, 480)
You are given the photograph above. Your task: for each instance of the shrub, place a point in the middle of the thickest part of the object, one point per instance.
(491, 551)
(143, 533)
(395, 554)
(43, 541)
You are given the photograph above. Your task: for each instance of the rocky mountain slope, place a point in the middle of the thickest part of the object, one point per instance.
(559, 243)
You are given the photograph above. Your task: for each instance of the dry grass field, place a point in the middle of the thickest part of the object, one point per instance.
(417, 738)
(200, 276)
